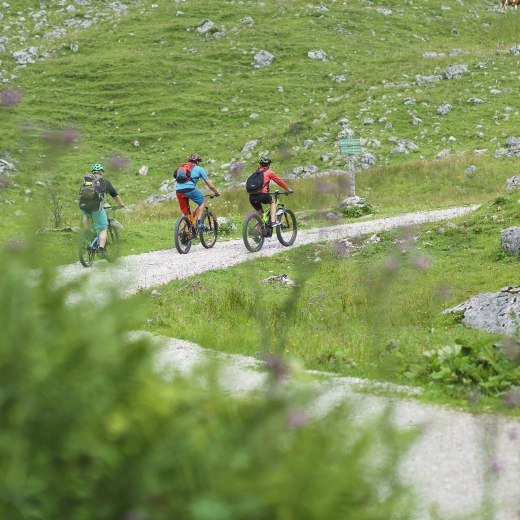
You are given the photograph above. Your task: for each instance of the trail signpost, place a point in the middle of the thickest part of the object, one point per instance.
(351, 147)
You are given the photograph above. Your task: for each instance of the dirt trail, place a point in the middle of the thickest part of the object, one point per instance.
(136, 272)
(459, 460)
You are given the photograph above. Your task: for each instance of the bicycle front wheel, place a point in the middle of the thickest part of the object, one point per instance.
(183, 235)
(208, 233)
(112, 243)
(85, 251)
(286, 231)
(252, 232)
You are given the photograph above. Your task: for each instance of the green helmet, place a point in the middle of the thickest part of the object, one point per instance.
(97, 168)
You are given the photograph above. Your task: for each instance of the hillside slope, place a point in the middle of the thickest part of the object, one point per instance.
(144, 84)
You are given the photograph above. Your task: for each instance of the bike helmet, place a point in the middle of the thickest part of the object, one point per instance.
(97, 168)
(264, 161)
(193, 157)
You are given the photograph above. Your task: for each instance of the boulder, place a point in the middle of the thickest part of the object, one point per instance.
(513, 183)
(497, 312)
(281, 279)
(263, 59)
(511, 240)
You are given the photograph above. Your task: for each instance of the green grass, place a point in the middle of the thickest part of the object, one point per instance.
(372, 314)
(152, 78)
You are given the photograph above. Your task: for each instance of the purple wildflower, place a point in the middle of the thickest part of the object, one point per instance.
(10, 98)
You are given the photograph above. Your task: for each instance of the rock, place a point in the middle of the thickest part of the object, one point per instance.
(263, 59)
(444, 109)
(492, 312)
(511, 240)
(470, 169)
(455, 71)
(515, 50)
(281, 279)
(167, 186)
(135, 143)
(207, 27)
(442, 154)
(513, 183)
(350, 202)
(475, 101)
(250, 145)
(157, 199)
(143, 170)
(424, 80)
(226, 225)
(318, 55)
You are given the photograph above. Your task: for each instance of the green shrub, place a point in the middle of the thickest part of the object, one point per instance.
(90, 430)
(486, 368)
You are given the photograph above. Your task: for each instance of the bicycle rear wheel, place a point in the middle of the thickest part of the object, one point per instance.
(85, 252)
(208, 233)
(286, 231)
(183, 235)
(252, 232)
(112, 243)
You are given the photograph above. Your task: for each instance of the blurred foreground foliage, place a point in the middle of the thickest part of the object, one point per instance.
(91, 428)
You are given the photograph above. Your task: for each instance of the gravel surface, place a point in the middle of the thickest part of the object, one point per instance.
(459, 460)
(136, 272)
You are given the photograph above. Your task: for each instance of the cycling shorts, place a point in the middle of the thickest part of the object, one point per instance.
(257, 199)
(193, 194)
(99, 219)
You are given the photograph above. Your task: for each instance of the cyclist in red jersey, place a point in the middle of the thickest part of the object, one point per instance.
(263, 196)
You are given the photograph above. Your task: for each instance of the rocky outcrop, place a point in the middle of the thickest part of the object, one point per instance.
(511, 240)
(492, 312)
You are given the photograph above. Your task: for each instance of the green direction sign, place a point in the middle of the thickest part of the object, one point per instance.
(350, 146)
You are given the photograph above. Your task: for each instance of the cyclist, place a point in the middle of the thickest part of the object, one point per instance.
(187, 189)
(263, 196)
(93, 210)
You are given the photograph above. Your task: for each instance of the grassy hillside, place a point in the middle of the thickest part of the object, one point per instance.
(147, 75)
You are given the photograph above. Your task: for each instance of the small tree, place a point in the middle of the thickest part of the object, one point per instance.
(56, 205)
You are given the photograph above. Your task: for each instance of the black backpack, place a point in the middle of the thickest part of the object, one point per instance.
(91, 193)
(255, 182)
(183, 173)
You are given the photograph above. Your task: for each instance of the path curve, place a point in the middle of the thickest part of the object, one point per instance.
(136, 272)
(459, 459)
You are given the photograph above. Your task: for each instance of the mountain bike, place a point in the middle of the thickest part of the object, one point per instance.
(256, 229)
(89, 242)
(186, 231)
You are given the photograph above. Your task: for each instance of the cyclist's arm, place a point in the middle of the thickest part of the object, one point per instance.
(273, 177)
(209, 184)
(117, 198)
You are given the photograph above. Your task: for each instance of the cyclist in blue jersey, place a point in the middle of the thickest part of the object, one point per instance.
(187, 190)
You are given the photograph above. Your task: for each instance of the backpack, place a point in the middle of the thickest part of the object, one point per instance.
(91, 193)
(255, 182)
(183, 173)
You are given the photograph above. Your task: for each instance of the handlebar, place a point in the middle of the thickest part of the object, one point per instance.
(278, 192)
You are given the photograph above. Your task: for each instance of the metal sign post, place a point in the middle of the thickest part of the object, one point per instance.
(351, 147)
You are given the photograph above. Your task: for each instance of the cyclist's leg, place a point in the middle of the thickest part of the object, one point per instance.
(256, 203)
(100, 225)
(198, 197)
(184, 203)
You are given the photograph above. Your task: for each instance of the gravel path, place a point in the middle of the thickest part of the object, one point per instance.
(136, 272)
(459, 460)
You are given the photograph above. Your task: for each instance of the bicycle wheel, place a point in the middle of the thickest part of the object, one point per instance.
(252, 232)
(208, 233)
(182, 235)
(112, 243)
(85, 252)
(286, 231)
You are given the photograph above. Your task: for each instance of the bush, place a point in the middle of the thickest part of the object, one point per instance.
(90, 430)
(486, 368)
